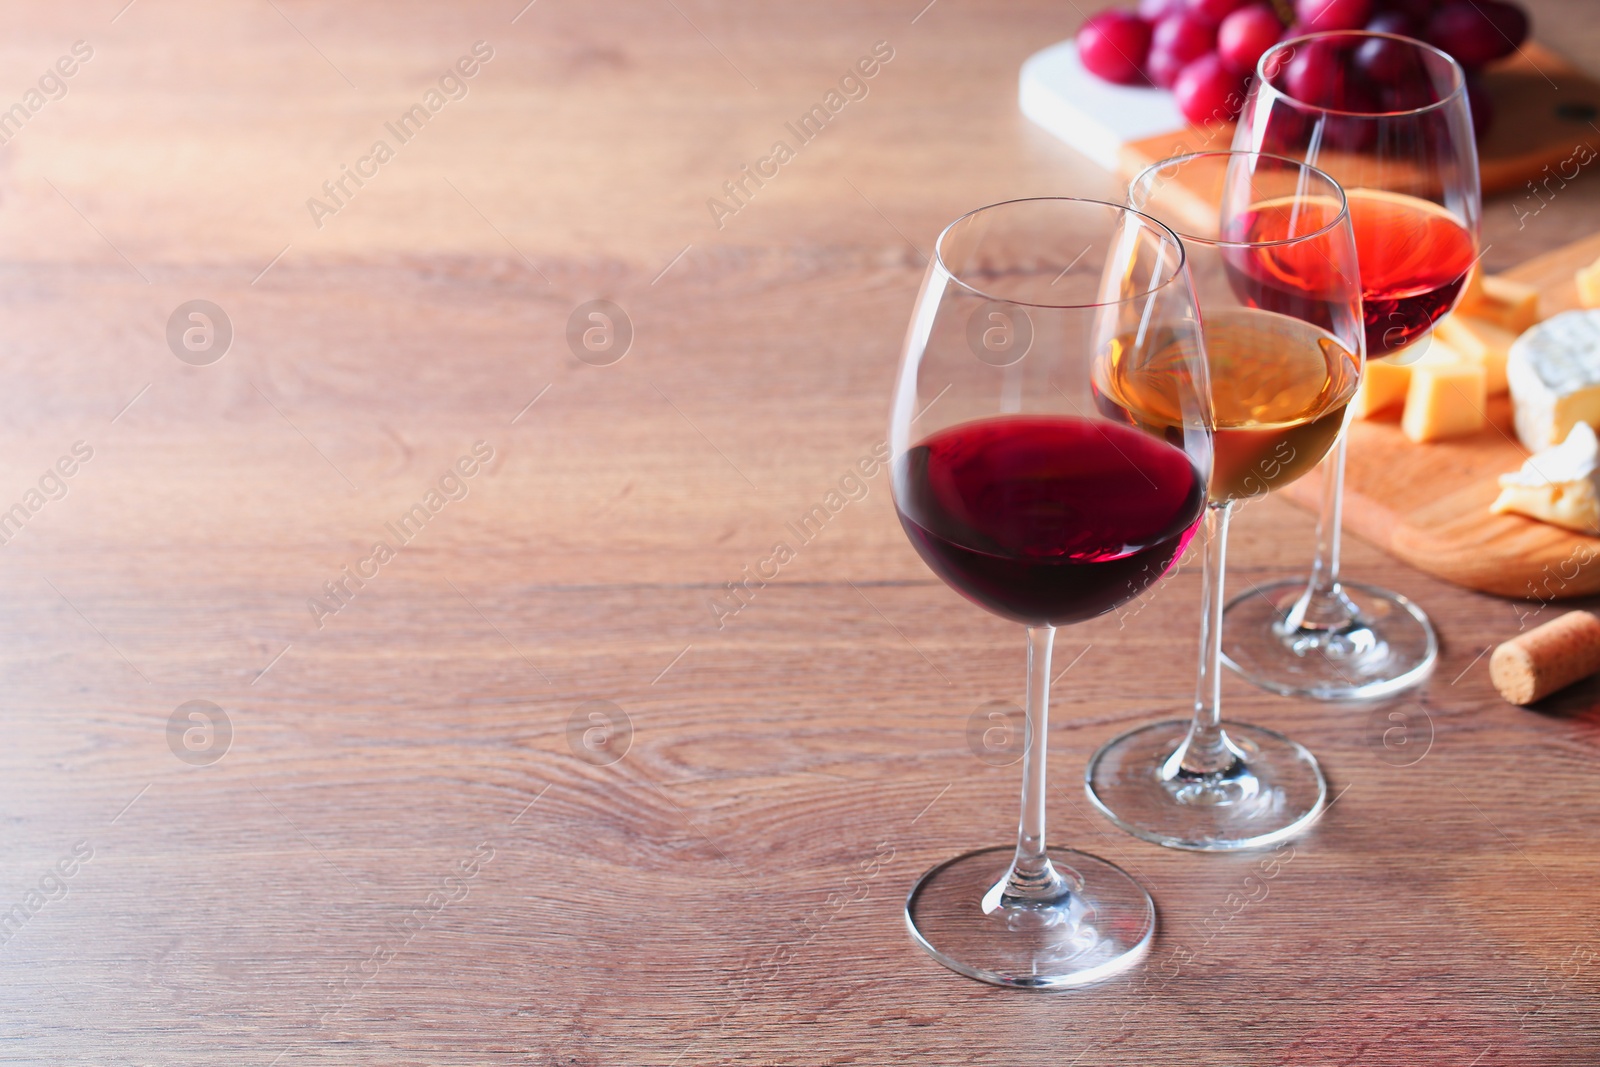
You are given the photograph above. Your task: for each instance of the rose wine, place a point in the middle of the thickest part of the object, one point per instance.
(1415, 256)
(1300, 279)
(1279, 389)
(1045, 518)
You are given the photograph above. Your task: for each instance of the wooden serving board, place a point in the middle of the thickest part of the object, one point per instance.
(1428, 505)
(1543, 110)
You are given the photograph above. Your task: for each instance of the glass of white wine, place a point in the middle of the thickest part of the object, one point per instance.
(1273, 263)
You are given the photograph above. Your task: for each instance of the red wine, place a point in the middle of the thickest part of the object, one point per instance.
(1415, 257)
(1046, 518)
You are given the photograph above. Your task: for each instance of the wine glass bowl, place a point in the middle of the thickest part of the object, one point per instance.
(1397, 151)
(1272, 259)
(1038, 492)
(1389, 118)
(1018, 478)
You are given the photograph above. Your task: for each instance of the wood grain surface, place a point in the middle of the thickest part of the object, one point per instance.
(1429, 504)
(521, 799)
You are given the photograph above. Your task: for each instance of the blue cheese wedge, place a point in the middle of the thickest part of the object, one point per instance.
(1554, 373)
(1560, 485)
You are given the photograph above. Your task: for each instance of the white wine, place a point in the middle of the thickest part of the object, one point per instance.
(1279, 390)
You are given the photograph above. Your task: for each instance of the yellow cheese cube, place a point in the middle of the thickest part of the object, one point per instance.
(1383, 386)
(1589, 285)
(1445, 400)
(1510, 305)
(1472, 292)
(1479, 342)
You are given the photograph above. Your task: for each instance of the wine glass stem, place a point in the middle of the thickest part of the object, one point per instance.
(1033, 881)
(1323, 606)
(1207, 750)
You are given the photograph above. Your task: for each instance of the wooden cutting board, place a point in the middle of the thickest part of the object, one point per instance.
(1544, 108)
(1429, 504)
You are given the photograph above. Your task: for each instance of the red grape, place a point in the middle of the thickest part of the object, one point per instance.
(1476, 31)
(1214, 11)
(1481, 106)
(1320, 15)
(1510, 19)
(1276, 58)
(1389, 62)
(1184, 35)
(1396, 22)
(1312, 75)
(1353, 132)
(1407, 94)
(1245, 34)
(1361, 98)
(1154, 10)
(1114, 44)
(1163, 67)
(1207, 91)
(1177, 41)
(1418, 11)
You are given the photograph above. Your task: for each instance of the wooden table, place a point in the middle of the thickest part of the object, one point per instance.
(417, 838)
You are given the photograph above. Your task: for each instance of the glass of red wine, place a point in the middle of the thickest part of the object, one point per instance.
(1273, 264)
(1033, 488)
(1389, 118)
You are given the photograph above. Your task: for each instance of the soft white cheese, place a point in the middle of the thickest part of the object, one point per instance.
(1554, 374)
(1560, 485)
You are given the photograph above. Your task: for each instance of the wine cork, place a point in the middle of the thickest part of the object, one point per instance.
(1547, 658)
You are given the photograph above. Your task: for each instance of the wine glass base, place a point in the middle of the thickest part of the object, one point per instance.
(1390, 645)
(1102, 929)
(1278, 790)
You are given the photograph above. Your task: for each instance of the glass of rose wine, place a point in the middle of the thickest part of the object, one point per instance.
(1026, 482)
(1389, 118)
(1273, 264)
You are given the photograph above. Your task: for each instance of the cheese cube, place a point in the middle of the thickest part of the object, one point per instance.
(1445, 400)
(1554, 371)
(1479, 342)
(1589, 285)
(1472, 292)
(1510, 305)
(1383, 386)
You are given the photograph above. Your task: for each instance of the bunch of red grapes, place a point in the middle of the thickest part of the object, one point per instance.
(1206, 50)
